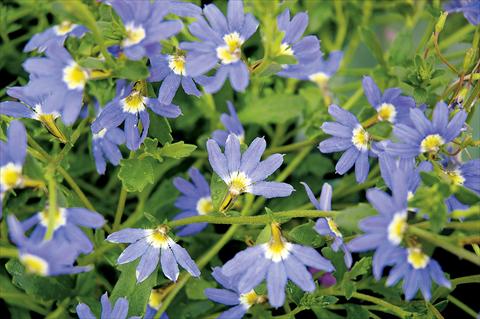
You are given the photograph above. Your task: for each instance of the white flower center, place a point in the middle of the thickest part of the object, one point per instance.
(248, 299)
(10, 175)
(204, 205)
(74, 76)
(333, 227)
(60, 218)
(34, 264)
(63, 28)
(158, 238)
(319, 78)
(455, 177)
(360, 138)
(397, 227)
(239, 183)
(230, 52)
(135, 34)
(431, 143)
(177, 64)
(100, 134)
(285, 49)
(387, 112)
(134, 103)
(417, 258)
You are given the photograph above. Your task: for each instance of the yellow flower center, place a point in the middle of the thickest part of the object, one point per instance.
(74, 76)
(134, 103)
(158, 237)
(34, 264)
(417, 258)
(333, 227)
(455, 177)
(285, 49)
(134, 35)
(231, 52)
(397, 227)
(431, 143)
(10, 175)
(63, 28)
(155, 299)
(59, 218)
(177, 64)
(248, 299)
(204, 205)
(360, 138)
(239, 183)
(387, 112)
(319, 78)
(278, 248)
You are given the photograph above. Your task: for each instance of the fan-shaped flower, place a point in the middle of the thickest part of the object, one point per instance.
(44, 258)
(391, 106)
(149, 244)
(222, 39)
(230, 296)
(232, 124)
(327, 226)
(245, 173)
(54, 36)
(119, 311)
(426, 136)
(469, 8)
(195, 200)
(349, 136)
(467, 175)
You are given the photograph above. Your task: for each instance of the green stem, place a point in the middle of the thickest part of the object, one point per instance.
(440, 241)
(120, 208)
(291, 147)
(341, 25)
(462, 306)
(353, 99)
(8, 252)
(473, 279)
(52, 202)
(291, 314)
(388, 306)
(71, 182)
(260, 219)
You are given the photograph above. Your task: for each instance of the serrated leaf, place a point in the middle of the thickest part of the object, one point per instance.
(361, 267)
(177, 150)
(136, 173)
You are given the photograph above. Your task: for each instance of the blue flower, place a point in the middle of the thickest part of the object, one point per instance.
(305, 50)
(222, 41)
(60, 74)
(467, 175)
(154, 303)
(276, 262)
(105, 147)
(318, 71)
(349, 136)
(232, 124)
(426, 136)
(149, 244)
(245, 173)
(43, 258)
(391, 106)
(171, 70)
(54, 36)
(144, 26)
(326, 226)
(195, 200)
(469, 8)
(130, 105)
(119, 311)
(384, 232)
(12, 157)
(417, 270)
(66, 226)
(231, 296)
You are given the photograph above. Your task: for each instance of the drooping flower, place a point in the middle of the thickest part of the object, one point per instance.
(130, 105)
(232, 124)
(426, 136)
(391, 106)
(384, 232)
(171, 70)
(145, 26)
(154, 303)
(54, 36)
(230, 296)
(276, 262)
(119, 310)
(149, 244)
(305, 50)
(43, 258)
(349, 136)
(245, 173)
(195, 200)
(469, 8)
(66, 226)
(221, 41)
(60, 74)
(105, 147)
(467, 175)
(327, 226)
(417, 270)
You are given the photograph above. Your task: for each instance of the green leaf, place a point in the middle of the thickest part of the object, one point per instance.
(349, 287)
(273, 109)
(285, 59)
(136, 173)
(361, 267)
(347, 219)
(92, 63)
(371, 41)
(430, 200)
(132, 70)
(177, 150)
(160, 129)
(218, 190)
(264, 235)
(195, 289)
(356, 312)
(137, 294)
(305, 234)
(465, 195)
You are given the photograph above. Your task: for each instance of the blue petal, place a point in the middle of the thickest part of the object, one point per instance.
(120, 310)
(133, 251)
(342, 116)
(311, 196)
(372, 92)
(337, 129)
(347, 160)
(366, 242)
(334, 144)
(214, 84)
(239, 76)
(232, 153)
(168, 88)
(254, 275)
(420, 121)
(276, 281)
(217, 160)
(84, 312)
(296, 28)
(266, 168)
(238, 262)
(299, 274)
(84, 217)
(216, 18)
(17, 142)
(251, 157)
(16, 109)
(312, 258)
(127, 235)
(222, 296)
(440, 116)
(362, 167)
(235, 15)
(184, 259)
(169, 264)
(455, 125)
(236, 312)
(271, 189)
(148, 263)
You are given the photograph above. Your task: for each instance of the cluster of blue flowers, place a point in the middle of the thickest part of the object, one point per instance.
(56, 89)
